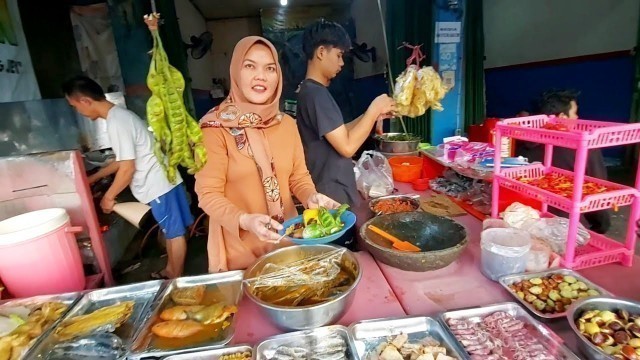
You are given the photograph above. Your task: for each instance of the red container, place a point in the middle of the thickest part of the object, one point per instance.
(420, 184)
(431, 169)
(406, 168)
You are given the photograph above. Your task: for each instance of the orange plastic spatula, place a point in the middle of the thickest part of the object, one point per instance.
(397, 243)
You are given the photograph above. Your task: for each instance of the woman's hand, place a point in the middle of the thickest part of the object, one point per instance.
(318, 200)
(262, 226)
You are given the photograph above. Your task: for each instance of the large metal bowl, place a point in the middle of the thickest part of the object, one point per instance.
(413, 200)
(601, 303)
(441, 240)
(304, 317)
(393, 147)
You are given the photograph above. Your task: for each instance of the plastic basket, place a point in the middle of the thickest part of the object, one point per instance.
(617, 195)
(593, 134)
(600, 250)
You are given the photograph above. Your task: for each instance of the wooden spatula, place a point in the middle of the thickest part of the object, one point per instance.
(397, 243)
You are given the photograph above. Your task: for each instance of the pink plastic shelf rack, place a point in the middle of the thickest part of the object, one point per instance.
(618, 195)
(593, 134)
(582, 135)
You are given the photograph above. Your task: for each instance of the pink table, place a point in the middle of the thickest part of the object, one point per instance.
(462, 285)
(374, 299)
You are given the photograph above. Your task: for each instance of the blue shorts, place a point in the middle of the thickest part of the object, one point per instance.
(172, 212)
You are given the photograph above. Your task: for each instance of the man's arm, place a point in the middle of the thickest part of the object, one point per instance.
(347, 139)
(124, 174)
(108, 170)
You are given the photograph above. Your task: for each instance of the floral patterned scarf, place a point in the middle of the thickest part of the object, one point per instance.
(247, 121)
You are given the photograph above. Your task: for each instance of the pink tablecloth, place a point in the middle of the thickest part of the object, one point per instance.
(462, 285)
(374, 299)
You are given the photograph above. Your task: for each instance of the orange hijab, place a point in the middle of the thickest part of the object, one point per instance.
(247, 121)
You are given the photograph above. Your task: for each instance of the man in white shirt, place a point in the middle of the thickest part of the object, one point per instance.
(136, 166)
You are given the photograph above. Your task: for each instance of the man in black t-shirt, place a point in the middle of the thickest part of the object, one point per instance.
(329, 144)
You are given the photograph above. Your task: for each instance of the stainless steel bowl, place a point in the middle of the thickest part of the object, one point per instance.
(304, 317)
(414, 200)
(596, 303)
(392, 147)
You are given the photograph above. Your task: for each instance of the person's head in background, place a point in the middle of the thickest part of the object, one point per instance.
(563, 104)
(324, 43)
(523, 113)
(85, 96)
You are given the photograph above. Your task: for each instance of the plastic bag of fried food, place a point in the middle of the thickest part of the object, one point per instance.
(418, 90)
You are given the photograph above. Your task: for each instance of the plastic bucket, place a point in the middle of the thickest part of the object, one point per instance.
(39, 254)
(504, 252)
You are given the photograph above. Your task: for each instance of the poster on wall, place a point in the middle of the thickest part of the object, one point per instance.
(17, 79)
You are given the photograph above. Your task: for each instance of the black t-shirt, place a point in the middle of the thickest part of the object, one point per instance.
(317, 115)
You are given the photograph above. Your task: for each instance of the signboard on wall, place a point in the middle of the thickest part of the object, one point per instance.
(17, 79)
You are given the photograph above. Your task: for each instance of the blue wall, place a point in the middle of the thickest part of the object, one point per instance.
(605, 85)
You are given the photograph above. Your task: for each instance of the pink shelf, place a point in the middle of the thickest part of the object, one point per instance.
(592, 134)
(618, 195)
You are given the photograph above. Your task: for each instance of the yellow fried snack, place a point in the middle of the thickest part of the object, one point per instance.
(192, 295)
(114, 315)
(405, 85)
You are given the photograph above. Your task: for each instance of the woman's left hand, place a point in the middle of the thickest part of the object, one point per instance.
(318, 200)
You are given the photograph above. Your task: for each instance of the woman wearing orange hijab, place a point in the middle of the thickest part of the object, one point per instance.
(256, 162)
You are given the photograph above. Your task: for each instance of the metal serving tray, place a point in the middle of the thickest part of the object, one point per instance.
(212, 354)
(229, 285)
(142, 294)
(542, 333)
(304, 339)
(367, 335)
(68, 299)
(505, 281)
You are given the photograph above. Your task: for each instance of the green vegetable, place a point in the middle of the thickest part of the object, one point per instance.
(178, 137)
(402, 137)
(327, 224)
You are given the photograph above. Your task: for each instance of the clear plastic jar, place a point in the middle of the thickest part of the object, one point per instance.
(504, 252)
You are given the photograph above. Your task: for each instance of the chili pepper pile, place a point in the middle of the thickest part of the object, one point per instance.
(556, 127)
(178, 137)
(562, 185)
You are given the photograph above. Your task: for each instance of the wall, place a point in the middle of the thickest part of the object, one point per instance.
(368, 21)
(536, 45)
(192, 23)
(226, 34)
(525, 31)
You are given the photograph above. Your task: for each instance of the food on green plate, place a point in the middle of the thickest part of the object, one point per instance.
(552, 294)
(317, 223)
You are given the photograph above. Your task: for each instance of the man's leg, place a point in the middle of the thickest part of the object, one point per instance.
(176, 253)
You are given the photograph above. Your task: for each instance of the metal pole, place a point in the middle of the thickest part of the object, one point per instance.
(153, 6)
(386, 46)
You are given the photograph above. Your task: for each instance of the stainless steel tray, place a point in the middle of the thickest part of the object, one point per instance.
(552, 342)
(229, 285)
(68, 299)
(211, 354)
(512, 279)
(303, 339)
(142, 294)
(367, 335)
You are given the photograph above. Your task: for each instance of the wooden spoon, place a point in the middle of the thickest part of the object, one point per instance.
(397, 243)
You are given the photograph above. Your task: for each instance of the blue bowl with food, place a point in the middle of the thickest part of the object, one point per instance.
(318, 226)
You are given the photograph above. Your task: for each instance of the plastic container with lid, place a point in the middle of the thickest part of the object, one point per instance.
(504, 252)
(39, 254)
